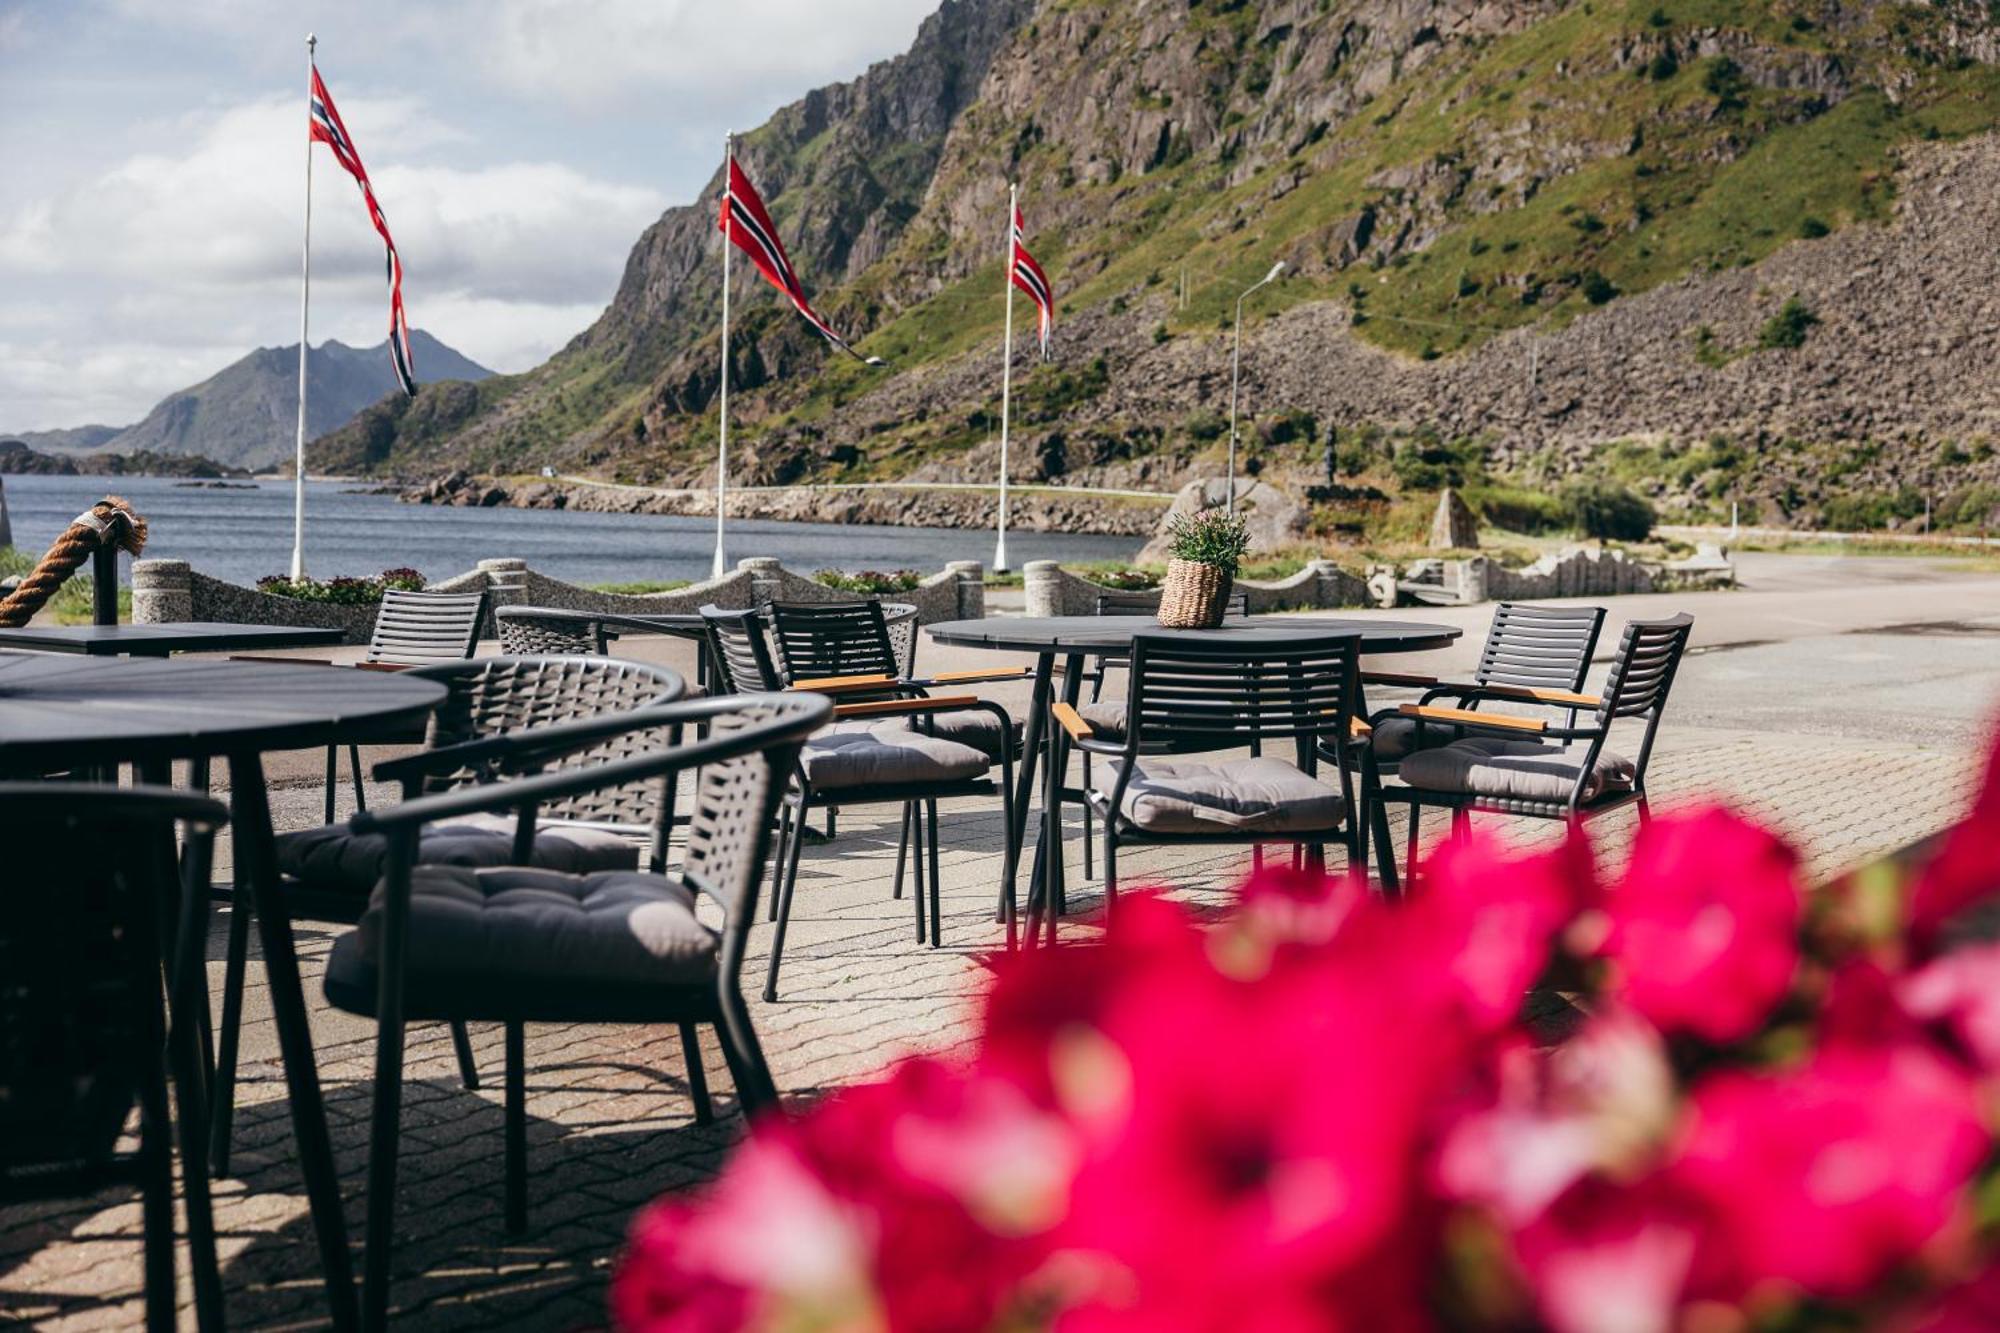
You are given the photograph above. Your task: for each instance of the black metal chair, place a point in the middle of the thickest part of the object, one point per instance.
(519, 945)
(1505, 765)
(97, 913)
(331, 870)
(1533, 655)
(1190, 696)
(882, 750)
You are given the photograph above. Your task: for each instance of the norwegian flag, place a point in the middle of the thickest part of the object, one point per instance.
(327, 128)
(1026, 274)
(744, 221)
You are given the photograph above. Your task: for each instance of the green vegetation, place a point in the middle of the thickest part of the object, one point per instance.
(343, 589)
(870, 582)
(72, 602)
(1608, 511)
(640, 587)
(1789, 326)
(1210, 537)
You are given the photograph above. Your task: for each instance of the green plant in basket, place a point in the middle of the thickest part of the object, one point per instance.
(1213, 537)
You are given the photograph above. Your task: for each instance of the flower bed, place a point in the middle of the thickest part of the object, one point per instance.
(342, 589)
(869, 582)
(1763, 1111)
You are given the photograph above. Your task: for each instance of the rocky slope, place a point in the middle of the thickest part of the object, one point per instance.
(1549, 227)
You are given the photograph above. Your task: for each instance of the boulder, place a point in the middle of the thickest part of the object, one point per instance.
(1276, 519)
(1453, 527)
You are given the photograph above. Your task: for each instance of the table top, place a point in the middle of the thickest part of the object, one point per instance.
(1089, 635)
(55, 711)
(179, 636)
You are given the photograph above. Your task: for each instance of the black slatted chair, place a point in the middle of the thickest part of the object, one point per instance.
(97, 913)
(1187, 698)
(1506, 765)
(331, 870)
(518, 945)
(881, 750)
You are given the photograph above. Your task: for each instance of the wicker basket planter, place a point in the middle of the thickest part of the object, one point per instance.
(1194, 596)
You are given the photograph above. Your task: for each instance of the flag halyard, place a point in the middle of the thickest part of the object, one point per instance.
(329, 129)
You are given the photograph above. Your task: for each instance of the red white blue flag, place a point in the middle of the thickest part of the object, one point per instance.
(327, 128)
(744, 221)
(1025, 273)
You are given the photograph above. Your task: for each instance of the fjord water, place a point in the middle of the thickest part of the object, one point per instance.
(242, 535)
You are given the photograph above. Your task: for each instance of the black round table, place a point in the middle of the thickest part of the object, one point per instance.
(1076, 638)
(59, 713)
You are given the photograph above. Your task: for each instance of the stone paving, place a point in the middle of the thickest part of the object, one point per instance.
(610, 1125)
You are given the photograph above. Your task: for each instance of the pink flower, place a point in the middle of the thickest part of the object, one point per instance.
(1962, 990)
(1611, 1259)
(1704, 925)
(1966, 869)
(1829, 1176)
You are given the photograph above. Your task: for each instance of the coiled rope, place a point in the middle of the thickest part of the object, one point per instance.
(109, 522)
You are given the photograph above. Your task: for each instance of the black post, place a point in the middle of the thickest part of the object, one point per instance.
(1332, 455)
(104, 584)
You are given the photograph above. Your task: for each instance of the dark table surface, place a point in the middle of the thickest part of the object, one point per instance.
(662, 622)
(191, 636)
(56, 712)
(1089, 634)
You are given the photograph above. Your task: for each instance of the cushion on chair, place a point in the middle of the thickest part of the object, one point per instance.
(1106, 719)
(333, 859)
(524, 931)
(1229, 796)
(863, 753)
(979, 729)
(1395, 737)
(1516, 770)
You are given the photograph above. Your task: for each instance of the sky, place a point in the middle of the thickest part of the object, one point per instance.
(154, 158)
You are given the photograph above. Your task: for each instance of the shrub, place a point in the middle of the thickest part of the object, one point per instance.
(1788, 327)
(342, 589)
(872, 582)
(1532, 512)
(1125, 580)
(1205, 426)
(1210, 537)
(1430, 465)
(1597, 289)
(1607, 511)
(1812, 228)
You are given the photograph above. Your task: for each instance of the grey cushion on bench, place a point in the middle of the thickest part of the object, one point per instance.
(1515, 770)
(1106, 719)
(335, 860)
(864, 753)
(526, 927)
(979, 729)
(1396, 737)
(1229, 796)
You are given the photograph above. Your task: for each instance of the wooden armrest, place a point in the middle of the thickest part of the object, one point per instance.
(969, 677)
(1358, 728)
(891, 707)
(1466, 717)
(1070, 721)
(1528, 695)
(288, 661)
(1402, 678)
(842, 684)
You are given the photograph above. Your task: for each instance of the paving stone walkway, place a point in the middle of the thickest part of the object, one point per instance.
(610, 1124)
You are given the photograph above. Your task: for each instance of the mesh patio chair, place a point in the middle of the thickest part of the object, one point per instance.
(96, 913)
(1534, 656)
(519, 945)
(331, 870)
(1187, 698)
(534, 631)
(881, 750)
(1505, 765)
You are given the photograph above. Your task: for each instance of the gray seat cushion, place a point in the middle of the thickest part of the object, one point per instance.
(334, 860)
(981, 730)
(1395, 737)
(529, 928)
(1253, 795)
(1106, 719)
(1516, 770)
(861, 753)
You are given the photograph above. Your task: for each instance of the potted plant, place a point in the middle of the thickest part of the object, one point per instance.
(1207, 546)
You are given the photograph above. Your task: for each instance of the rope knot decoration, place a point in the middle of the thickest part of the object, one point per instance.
(111, 522)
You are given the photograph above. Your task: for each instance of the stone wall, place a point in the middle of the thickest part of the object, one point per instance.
(164, 590)
(1054, 591)
(1577, 571)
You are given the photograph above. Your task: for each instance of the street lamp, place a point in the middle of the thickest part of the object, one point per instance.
(1236, 375)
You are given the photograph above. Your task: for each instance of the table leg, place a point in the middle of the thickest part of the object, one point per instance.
(257, 853)
(1024, 779)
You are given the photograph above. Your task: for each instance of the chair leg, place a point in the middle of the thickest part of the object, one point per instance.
(1410, 853)
(383, 1132)
(332, 779)
(1461, 825)
(1110, 879)
(461, 1045)
(915, 815)
(516, 1206)
(354, 767)
(697, 1075)
(187, 1051)
(157, 1185)
(788, 829)
(223, 1100)
(902, 849)
(831, 812)
(937, 906)
(756, 1093)
(1645, 812)
(788, 877)
(1087, 872)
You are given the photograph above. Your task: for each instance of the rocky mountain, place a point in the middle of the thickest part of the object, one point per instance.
(246, 414)
(1713, 247)
(16, 458)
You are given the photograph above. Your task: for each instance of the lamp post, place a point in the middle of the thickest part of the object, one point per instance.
(1236, 376)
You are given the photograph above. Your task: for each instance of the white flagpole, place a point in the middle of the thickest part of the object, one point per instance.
(1006, 377)
(305, 304)
(721, 565)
